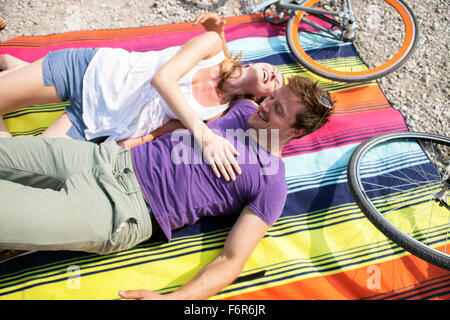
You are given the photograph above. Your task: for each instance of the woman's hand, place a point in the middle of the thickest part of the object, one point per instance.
(133, 142)
(211, 22)
(220, 155)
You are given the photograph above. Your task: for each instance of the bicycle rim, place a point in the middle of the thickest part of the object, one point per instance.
(384, 39)
(396, 180)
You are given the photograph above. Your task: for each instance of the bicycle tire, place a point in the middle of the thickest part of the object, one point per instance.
(370, 206)
(397, 59)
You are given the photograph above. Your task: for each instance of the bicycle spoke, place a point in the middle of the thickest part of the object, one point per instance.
(322, 35)
(446, 235)
(323, 17)
(316, 26)
(429, 224)
(383, 187)
(421, 215)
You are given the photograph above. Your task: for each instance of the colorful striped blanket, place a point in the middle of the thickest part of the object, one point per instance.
(322, 247)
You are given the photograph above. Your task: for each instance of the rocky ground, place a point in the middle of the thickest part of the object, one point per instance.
(420, 89)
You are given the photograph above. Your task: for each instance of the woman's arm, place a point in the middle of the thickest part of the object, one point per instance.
(170, 126)
(219, 153)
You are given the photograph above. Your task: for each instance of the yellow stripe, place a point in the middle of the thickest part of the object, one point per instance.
(297, 248)
(31, 120)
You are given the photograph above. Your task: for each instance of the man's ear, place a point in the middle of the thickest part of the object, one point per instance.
(296, 133)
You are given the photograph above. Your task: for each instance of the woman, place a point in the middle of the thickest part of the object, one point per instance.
(122, 95)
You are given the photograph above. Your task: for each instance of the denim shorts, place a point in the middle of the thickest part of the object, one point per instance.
(65, 69)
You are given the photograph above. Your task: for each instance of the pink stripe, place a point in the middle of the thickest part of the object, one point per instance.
(146, 43)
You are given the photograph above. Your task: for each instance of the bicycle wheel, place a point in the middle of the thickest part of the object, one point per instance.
(385, 36)
(401, 183)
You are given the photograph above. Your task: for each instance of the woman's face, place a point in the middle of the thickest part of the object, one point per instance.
(260, 79)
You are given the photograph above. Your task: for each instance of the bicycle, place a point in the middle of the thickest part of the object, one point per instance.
(401, 182)
(362, 23)
(391, 176)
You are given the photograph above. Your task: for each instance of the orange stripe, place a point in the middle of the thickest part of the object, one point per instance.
(363, 95)
(396, 276)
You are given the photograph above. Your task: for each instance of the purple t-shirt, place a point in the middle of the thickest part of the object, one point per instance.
(182, 188)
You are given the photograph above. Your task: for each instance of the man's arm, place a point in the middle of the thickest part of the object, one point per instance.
(243, 238)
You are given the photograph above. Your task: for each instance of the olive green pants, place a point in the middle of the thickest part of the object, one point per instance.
(60, 194)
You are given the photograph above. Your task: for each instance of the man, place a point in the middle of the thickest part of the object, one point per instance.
(60, 194)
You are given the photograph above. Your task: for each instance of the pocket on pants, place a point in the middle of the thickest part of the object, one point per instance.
(129, 226)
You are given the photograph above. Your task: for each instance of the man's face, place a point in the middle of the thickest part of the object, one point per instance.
(278, 112)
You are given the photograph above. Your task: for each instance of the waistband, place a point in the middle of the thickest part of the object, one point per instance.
(124, 168)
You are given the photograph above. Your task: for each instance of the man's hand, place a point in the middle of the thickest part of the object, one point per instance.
(141, 295)
(211, 22)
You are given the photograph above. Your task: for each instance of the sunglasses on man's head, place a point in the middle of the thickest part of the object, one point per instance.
(325, 102)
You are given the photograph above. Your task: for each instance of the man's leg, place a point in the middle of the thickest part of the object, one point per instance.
(45, 162)
(76, 217)
(45, 196)
(60, 194)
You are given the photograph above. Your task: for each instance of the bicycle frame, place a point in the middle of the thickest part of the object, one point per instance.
(348, 27)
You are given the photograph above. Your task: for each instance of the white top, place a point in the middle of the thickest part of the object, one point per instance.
(119, 101)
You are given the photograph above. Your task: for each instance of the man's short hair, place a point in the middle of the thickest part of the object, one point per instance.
(318, 104)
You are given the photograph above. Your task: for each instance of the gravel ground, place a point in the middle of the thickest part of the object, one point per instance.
(420, 89)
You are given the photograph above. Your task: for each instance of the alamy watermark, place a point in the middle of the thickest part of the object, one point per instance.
(373, 282)
(251, 145)
(74, 277)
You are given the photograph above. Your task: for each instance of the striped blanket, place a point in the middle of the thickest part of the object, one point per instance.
(322, 247)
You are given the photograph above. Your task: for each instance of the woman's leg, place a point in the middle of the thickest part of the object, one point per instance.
(25, 87)
(28, 87)
(57, 129)
(8, 64)
(4, 132)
